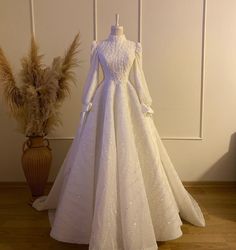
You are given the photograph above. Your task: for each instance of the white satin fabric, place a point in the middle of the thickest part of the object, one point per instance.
(117, 188)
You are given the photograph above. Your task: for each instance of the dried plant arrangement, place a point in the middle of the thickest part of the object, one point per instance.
(35, 101)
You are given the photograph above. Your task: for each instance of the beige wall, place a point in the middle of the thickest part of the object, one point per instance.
(172, 40)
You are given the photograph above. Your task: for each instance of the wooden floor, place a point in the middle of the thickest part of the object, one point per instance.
(23, 228)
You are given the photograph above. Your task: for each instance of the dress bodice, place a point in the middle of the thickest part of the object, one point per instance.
(116, 55)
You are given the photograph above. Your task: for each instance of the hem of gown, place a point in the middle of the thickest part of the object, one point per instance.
(154, 247)
(174, 237)
(51, 214)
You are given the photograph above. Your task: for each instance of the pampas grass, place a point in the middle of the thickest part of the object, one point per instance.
(35, 103)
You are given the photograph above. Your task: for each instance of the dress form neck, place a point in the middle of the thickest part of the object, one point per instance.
(116, 33)
(117, 30)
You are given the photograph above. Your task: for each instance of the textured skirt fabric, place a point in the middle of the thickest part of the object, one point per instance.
(117, 188)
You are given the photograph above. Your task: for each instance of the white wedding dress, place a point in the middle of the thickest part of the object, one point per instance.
(117, 188)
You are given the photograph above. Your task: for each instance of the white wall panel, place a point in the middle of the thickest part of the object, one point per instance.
(172, 45)
(172, 38)
(56, 24)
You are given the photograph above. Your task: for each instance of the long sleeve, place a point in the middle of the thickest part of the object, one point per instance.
(91, 82)
(139, 78)
(140, 83)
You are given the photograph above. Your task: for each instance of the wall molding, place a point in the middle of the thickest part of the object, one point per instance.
(140, 20)
(32, 18)
(95, 27)
(202, 81)
(202, 84)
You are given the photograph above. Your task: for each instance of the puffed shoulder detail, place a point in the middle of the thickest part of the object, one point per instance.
(138, 47)
(94, 45)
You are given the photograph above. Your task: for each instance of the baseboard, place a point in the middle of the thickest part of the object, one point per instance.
(18, 184)
(209, 183)
(185, 183)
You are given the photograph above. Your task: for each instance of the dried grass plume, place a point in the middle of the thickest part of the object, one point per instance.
(35, 103)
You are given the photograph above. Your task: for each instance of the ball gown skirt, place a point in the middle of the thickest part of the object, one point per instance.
(117, 188)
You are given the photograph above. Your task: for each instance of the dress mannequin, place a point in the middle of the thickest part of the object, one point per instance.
(116, 29)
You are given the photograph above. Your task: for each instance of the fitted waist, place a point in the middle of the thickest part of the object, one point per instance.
(116, 80)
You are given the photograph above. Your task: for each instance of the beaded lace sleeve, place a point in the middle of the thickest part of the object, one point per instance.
(140, 81)
(91, 82)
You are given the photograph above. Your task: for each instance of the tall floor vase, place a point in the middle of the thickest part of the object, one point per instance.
(36, 164)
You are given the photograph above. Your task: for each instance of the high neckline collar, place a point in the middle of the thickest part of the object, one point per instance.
(112, 37)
